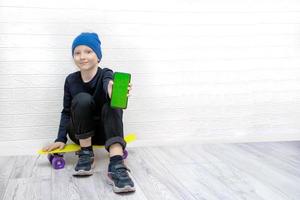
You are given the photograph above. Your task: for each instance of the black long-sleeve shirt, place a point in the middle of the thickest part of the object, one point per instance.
(74, 84)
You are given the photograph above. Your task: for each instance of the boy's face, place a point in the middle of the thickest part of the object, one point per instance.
(85, 58)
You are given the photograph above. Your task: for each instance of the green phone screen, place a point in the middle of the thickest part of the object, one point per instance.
(119, 97)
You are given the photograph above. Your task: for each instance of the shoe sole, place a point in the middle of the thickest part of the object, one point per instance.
(84, 172)
(116, 189)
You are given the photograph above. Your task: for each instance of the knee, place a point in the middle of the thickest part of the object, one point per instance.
(107, 110)
(82, 100)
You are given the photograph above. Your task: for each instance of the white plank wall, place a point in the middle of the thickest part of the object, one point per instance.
(203, 71)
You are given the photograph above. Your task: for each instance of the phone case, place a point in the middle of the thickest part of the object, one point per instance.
(119, 97)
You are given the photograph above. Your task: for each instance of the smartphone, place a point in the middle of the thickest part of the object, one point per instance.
(119, 93)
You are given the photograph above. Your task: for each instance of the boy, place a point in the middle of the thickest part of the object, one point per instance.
(87, 116)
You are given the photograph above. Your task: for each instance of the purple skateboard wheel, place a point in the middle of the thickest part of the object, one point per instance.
(58, 162)
(125, 154)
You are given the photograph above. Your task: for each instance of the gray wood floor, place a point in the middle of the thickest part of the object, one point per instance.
(211, 171)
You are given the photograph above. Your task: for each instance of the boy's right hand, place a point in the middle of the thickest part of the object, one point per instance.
(53, 146)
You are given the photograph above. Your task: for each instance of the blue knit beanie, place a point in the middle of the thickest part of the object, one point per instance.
(89, 39)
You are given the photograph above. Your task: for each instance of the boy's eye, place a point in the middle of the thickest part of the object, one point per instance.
(76, 53)
(89, 52)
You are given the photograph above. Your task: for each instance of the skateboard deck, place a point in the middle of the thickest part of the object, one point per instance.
(75, 147)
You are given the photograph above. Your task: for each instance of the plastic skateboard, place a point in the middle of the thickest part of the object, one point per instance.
(56, 157)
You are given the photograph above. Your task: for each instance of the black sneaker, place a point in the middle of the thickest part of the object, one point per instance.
(120, 178)
(85, 164)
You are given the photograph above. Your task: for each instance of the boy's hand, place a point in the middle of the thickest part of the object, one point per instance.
(109, 88)
(53, 146)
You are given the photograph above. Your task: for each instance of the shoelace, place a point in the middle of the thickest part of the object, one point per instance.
(83, 156)
(122, 171)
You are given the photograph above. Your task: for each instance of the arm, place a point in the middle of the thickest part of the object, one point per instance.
(65, 118)
(65, 115)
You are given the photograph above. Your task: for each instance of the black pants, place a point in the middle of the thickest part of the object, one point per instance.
(106, 129)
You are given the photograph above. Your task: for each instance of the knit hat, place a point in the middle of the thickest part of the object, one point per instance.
(89, 39)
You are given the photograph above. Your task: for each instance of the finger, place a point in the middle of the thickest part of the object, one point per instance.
(52, 148)
(47, 148)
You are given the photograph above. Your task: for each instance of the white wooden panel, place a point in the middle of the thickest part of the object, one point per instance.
(156, 5)
(163, 30)
(173, 78)
(153, 42)
(140, 67)
(9, 54)
(136, 17)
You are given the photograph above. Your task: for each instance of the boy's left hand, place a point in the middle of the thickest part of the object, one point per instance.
(109, 88)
